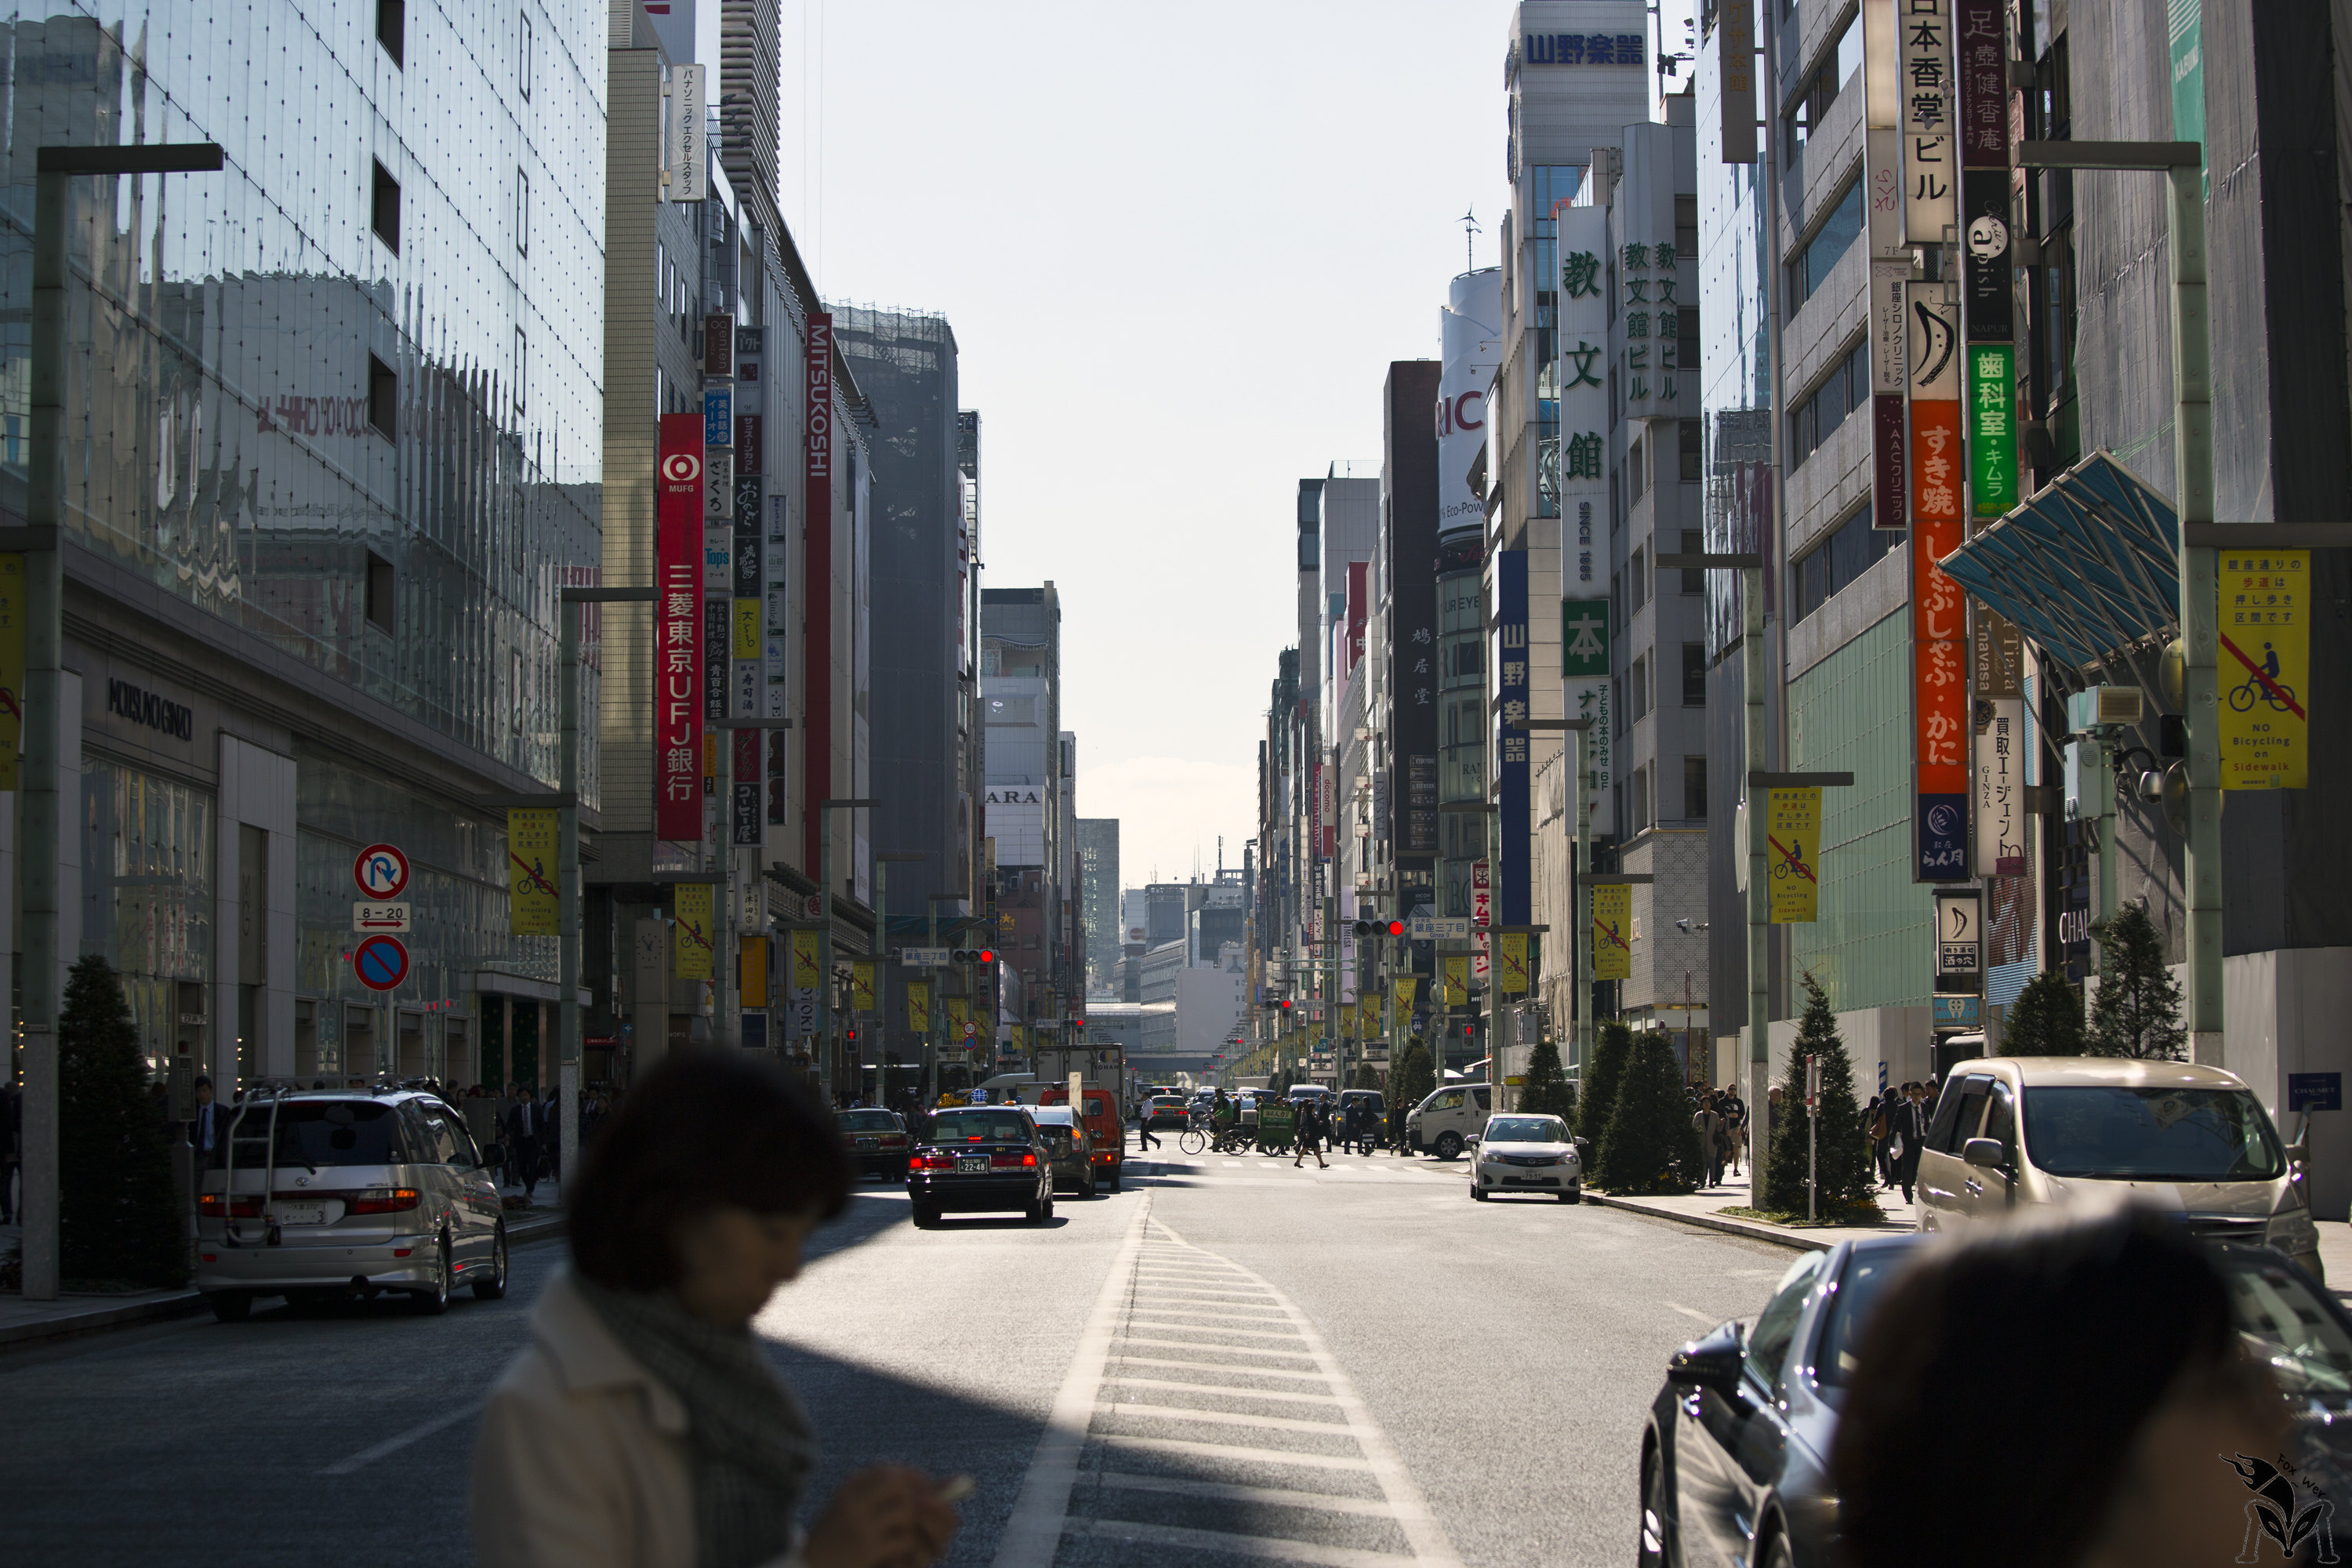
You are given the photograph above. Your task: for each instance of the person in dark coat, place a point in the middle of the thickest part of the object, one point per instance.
(1905, 1128)
(209, 1129)
(523, 1122)
(1310, 1125)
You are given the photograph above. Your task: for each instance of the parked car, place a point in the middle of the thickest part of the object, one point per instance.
(1735, 1454)
(2016, 1133)
(1447, 1120)
(978, 1158)
(877, 1143)
(1071, 1148)
(315, 1197)
(1527, 1155)
(1105, 1133)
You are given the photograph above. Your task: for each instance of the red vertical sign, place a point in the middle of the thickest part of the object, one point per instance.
(816, 611)
(677, 630)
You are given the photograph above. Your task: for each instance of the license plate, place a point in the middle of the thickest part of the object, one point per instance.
(1523, 1181)
(299, 1213)
(867, 1142)
(979, 1162)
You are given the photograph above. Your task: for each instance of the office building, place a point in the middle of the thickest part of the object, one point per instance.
(1100, 898)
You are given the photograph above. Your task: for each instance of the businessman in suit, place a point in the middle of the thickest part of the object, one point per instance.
(524, 1123)
(209, 1130)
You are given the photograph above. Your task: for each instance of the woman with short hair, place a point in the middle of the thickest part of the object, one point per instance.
(644, 1426)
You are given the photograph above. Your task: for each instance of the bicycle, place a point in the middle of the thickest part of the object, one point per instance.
(2278, 694)
(1192, 1139)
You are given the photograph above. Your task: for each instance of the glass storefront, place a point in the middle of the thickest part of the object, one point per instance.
(147, 901)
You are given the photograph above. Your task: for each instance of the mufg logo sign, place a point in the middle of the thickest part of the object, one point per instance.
(1584, 48)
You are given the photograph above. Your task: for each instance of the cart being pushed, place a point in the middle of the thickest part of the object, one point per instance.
(1277, 1126)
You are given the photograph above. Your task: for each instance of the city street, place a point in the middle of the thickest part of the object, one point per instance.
(1370, 1370)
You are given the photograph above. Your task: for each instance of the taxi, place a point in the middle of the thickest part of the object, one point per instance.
(976, 1158)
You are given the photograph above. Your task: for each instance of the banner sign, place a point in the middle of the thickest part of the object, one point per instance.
(1930, 170)
(1939, 709)
(1792, 831)
(1999, 785)
(919, 1006)
(861, 985)
(533, 902)
(1584, 691)
(1582, 312)
(691, 901)
(678, 631)
(2264, 678)
(1508, 618)
(1406, 990)
(1612, 925)
(808, 960)
(1457, 978)
(1992, 429)
(1511, 962)
(751, 971)
(817, 620)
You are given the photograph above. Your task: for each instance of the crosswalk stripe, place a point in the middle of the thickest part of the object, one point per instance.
(1275, 1549)
(1223, 1390)
(1205, 1329)
(1220, 1350)
(1209, 1365)
(1229, 1491)
(1226, 1419)
(1234, 1451)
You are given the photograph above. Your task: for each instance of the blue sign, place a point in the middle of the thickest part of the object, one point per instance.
(2314, 1091)
(1943, 838)
(1954, 1012)
(1510, 663)
(718, 416)
(1585, 48)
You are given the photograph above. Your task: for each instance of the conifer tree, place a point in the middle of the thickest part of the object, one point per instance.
(1842, 1157)
(1652, 1146)
(1410, 1081)
(116, 1218)
(1547, 1091)
(1602, 1076)
(2137, 1013)
(2047, 1019)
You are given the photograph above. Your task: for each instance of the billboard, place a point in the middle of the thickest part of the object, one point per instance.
(816, 623)
(1508, 618)
(1584, 694)
(1583, 385)
(1470, 331)
(677, 630)
(1939, 686)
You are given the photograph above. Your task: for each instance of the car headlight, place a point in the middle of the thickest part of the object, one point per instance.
(2292, 1232)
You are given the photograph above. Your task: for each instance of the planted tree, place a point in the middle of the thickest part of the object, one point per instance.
(117, 1219)
(2047, 1019)
(2137, 1013)
(1652, 1146)
(1547, 1091)
(1365, 1077)
(1603, 1076)
(1409, 1082)
(1842, 1156)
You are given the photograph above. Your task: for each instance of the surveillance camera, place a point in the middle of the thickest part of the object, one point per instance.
(1682, 926)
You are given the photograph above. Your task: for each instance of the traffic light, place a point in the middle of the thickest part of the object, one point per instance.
(1380, 928)
(972, 955)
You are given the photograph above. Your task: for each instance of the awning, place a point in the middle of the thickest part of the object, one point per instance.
(2086, 568)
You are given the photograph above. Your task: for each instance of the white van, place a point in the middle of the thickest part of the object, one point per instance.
(1446, 1121)
(2014, 1132)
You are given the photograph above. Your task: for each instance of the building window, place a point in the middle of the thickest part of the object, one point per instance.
(522, 57)
(384, 399)
(1686, 227)
(391, 28)
(522, 211)
(1831, 239)
(1846, 390)
(1636, 481)
(1641, 688)
(1641, 792)
(1694, 675)
(1637, 587)
(383, 209)
(521, 370)
(1838, 63)
(1695, 789)
(1617, 701)
(1693, 543)
(1849, 550)
(379, 592)
(1690, 449)
(1690, 320)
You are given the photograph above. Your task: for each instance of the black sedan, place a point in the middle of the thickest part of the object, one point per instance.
(1736, 1452)
(877, 1143)
(977, 1159)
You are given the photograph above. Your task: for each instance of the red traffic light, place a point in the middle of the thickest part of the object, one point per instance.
(1396, 927)
(987, 955)
(853, 1034)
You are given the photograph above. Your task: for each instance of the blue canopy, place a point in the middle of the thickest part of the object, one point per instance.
(2086, 568)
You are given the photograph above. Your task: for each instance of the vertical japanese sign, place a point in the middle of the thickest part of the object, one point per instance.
(1457, 966)
(1959, 940)
(1511, 962)
(1482, 913)
(1992, 429)
(1792, 830)
(1583, 383)
(1584, 694)
(1996, 677)
(1612, 927)
(691, 903)
(533, 901)
(2265, 669)
(1938, 618)
(808, 966)
(1980, 54)
(1930, 170)
(743, 785)
(816, 618)
(677, 630)
(1735, 43)
(1890, 257)
(12, 667)
(1509, 617)
(686, 136)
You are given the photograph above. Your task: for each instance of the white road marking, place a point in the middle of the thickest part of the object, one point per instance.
(1227, 1491)
(1126, 1360)
(1220, 1350)
(417, 1434)
(1224, 1391)
(1225, 1418)
(1211, 1329)
(1690, 1312)
(1273, 1548)
(1234, 1451)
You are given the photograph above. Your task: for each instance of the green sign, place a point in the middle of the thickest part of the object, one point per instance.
(1992, 430)
(1584, 639)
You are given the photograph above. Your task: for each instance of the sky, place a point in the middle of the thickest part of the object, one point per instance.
(1179, 248)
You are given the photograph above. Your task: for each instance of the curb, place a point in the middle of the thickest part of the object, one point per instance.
(180, 1304)
(1752, 1229)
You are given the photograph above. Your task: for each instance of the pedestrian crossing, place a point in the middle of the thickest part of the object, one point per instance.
(1206, 1422)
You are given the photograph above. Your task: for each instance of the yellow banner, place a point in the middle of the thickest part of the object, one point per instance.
(1021, 1037)
(746, 629)
(1612, 925)
(692, 902)
(957, 1011)
(752, 982)
(919, 1006)
(533, 902)
(1457, 978)
(1346, 1020)
(2264, 678)
(1406, 990)
(1792, 833)
(1511, 962)
(861, 985)
(808, 960)
(12, 666)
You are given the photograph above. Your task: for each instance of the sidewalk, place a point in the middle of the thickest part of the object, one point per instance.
(75, 1313)
(1704, 1208)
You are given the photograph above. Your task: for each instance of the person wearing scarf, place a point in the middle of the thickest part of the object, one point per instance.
(644, 1425)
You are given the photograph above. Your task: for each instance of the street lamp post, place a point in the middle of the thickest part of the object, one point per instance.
(39, 821)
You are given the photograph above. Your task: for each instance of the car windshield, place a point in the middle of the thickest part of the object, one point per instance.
(2282, 1324)
(1052, 1116)
(1526, 1130)
(868, 1121)
(2150, 1134)
(1866, 1274)
(979, 1127)
(321, 1132)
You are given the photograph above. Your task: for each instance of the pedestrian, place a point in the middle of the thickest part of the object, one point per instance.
(644, 1425)
(1734, 1111)
(1143, 1138)
(550, 1124)
(1311, 1133)
(2133, 1427)
(1708, 1123)
(522, 1140)
(1905, 1131)
(208, 1131)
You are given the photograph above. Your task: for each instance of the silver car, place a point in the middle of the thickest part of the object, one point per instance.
(340, 1194)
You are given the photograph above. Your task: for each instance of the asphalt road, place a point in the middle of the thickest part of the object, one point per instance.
(1231, 1361)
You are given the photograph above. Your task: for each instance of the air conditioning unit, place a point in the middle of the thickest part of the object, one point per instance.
(2104, 708)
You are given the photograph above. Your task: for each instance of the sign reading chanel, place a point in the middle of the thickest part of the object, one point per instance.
(125, 700)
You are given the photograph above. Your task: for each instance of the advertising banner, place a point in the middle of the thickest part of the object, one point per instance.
(678, 631)
(1940, 710)
(1584, 693)
(534, 903)
(1930, 166)
(691, 903)
(919, 1006)
(1792, 830)
(817, 620)
(959, 1010)
(1612, 926)
(1511, 962)
(1735, 43)
(861, 985)
(2264, 679)
(2000, 757)
(1507, 619)
(1582, 311)
(745, 829)
(1406, 990)
(751, 971)
(808, 960)
(12, 667)
(1457, 966)
(1992, 429)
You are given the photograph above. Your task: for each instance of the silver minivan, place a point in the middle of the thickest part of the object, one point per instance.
(2017, 1132)
(1448, 1119)
(316, 1196)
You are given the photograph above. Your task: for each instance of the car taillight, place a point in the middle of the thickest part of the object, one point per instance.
(383, 1200)
(894, 1140)
(214, 1206)
(939, 1161)
(1028, 1159)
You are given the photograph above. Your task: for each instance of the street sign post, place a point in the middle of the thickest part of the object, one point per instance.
(381, 963)
(924, 957)
(381, 871)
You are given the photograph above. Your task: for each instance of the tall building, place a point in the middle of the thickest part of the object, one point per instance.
(1099, 900)
(1021, 696)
